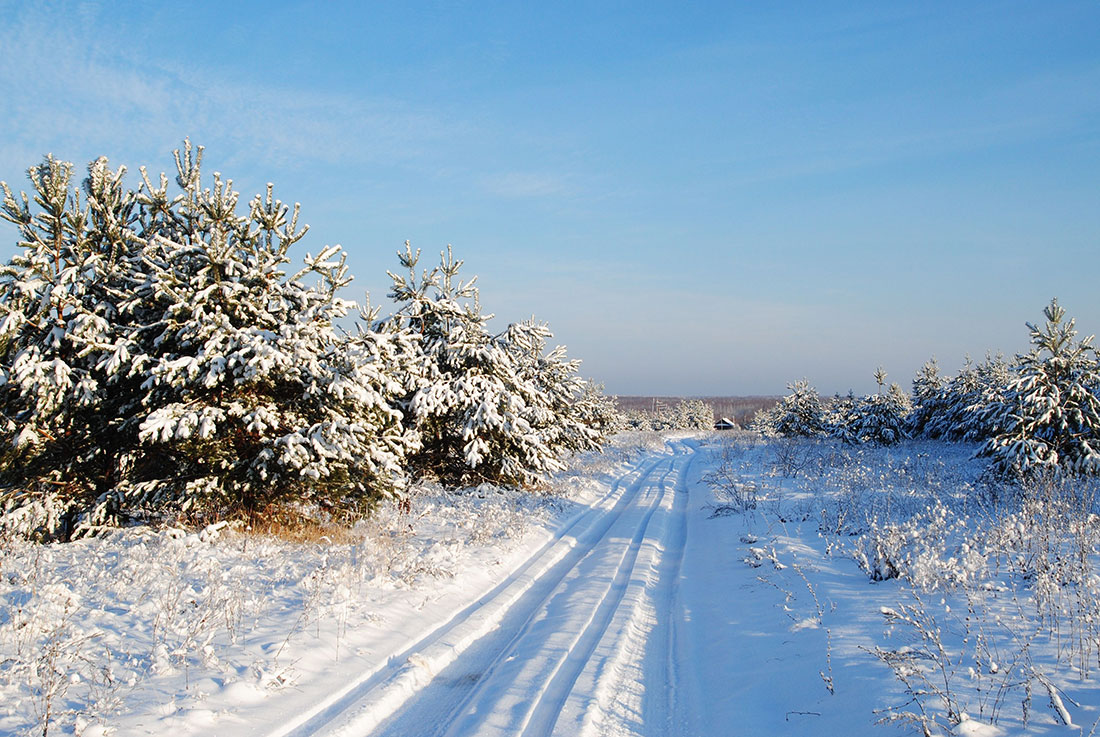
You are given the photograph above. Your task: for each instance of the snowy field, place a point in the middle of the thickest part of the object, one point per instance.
(678, 585)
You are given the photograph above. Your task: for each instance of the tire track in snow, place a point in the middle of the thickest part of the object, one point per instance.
(372, 697)
(515, 699)
(521, 677)
(679, 715)
(546, 712)
(612, 695)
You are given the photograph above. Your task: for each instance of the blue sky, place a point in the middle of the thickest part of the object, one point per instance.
(713, 198)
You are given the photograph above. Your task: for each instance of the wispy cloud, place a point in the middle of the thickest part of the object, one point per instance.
(64, 82)
(524, 184)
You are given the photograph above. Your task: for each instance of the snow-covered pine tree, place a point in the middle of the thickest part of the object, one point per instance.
(556, 410)
(636, 419)
(881, 417)
(799, 414)
(599, 411)
(661, 417)
(488, 408)
(928, 398)
(839, 415)
(157, 358)
(1049, 417)
(763, 422)
(694, 414)
(960, 414)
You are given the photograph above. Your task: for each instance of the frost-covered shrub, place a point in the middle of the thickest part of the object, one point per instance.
(799, 414)
(1049, 416)
(156, 356)
(930, 550)
(1025, 609)
(488, 408)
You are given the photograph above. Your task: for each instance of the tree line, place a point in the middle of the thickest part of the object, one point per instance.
(1039, 413)
(160, 356)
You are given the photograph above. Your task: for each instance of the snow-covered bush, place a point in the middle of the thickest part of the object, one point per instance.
(922, 549)
(1019, 600)
(155, 357)
(1049, 417)
(734, 493)
(799, 414)
(488, 408)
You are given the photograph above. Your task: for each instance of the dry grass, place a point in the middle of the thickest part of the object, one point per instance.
(297, 526)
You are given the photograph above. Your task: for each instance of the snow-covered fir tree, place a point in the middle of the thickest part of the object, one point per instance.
(881, 417)
(1049, 417)
(487, 408)
(157, 357)
(928, 398)
(798, 414)
(694, 414)
(956, 411)
(839, 414)
(562, 409)
(598, 410)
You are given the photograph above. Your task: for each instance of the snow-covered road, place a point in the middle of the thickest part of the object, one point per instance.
(641, 607)
(634, 603)
(570, 643)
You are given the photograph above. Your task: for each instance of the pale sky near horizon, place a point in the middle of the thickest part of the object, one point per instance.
(700, 199)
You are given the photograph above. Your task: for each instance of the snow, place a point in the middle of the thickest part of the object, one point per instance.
(631, 598)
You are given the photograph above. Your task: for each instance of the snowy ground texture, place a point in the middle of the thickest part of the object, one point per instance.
(712, 585)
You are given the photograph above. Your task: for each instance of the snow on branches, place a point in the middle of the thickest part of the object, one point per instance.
(497, 408)
(156, 356)
(877, 418)
(1049, 416)
(800, 413)
(1038, 413)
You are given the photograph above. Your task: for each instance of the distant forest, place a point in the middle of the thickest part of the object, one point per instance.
(739, 409)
